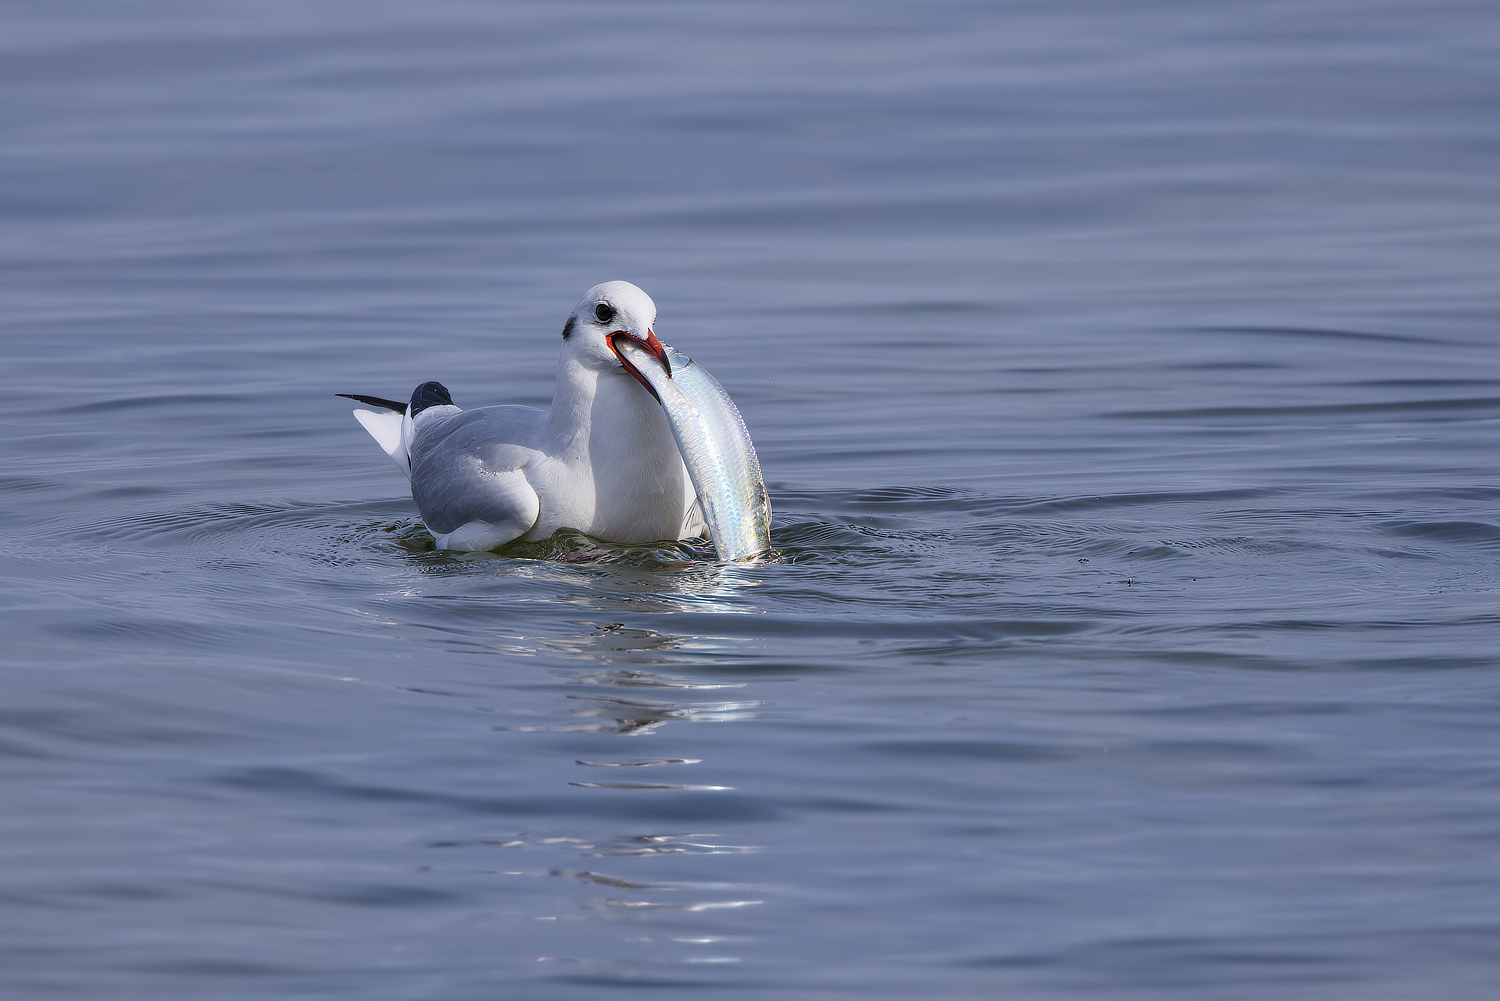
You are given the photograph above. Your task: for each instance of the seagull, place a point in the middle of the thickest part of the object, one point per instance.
(602, 461)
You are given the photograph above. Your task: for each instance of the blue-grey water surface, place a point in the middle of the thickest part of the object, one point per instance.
(1126, 381)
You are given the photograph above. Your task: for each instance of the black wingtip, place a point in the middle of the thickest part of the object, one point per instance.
(374, 401)
(429, 394)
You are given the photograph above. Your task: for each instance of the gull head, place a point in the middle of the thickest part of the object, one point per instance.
(607, 312)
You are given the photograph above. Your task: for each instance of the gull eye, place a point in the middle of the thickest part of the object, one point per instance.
(604, 312)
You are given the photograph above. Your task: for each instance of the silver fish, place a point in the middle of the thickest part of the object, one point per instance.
(715, 447)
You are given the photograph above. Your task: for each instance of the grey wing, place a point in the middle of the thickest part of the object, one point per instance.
(468, 476)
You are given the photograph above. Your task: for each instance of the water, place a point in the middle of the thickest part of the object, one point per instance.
(1125, 379)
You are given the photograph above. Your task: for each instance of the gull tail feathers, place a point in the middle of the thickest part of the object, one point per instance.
(392, 426)
(385, 427)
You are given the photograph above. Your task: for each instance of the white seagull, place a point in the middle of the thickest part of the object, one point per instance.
(602, 461)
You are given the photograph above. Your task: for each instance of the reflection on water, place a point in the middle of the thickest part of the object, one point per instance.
(639, 716)
(644, 679)
(619, 577)
(672, 844)
(641, 906)
(627, 845)
(641, 764)
(617, 657)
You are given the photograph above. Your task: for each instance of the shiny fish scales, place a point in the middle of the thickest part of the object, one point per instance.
(716, 448)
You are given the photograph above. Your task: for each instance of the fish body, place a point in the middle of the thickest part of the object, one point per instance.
(715, 447)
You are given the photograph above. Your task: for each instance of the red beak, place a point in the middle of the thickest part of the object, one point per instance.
(652, 345)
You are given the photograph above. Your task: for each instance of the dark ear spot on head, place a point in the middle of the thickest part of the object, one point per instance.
(568, 327)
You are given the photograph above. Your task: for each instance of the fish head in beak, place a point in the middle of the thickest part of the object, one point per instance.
(650, 344)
